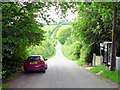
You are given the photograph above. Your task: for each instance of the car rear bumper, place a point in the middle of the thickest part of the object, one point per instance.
(31, 68)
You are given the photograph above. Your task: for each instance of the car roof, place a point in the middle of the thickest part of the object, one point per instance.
(36, 55)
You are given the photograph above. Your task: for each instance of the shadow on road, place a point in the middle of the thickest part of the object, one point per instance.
(33, 72)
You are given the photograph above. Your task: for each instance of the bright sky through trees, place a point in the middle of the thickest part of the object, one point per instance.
(56, 17)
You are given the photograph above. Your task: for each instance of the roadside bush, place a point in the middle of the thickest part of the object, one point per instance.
(67, 51)
(15, 63)
(54, 41)
(69, 41)
(71, 47)
(83, 55)
(46, 48)
(61, 28)
(64, 34)
(49, 47)
(36, 50)
(72, 51)
(76, 49)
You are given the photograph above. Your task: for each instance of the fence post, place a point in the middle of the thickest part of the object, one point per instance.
(94, 59)
(101, 60)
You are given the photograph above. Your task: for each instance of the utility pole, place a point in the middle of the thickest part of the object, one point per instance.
(113, 57)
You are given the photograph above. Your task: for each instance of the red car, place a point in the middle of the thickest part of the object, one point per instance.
(35, 62)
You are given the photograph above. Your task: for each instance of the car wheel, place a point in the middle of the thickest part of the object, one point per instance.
(44, 71)
(45, 66)
(25, 71)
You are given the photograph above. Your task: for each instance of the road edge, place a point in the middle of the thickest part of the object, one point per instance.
(107, 80)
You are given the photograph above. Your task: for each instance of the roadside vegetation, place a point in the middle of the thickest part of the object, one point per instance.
(106, 73)
(46, 48)
(5, 85)
(71, 47)
(18, 32)
(92, 26)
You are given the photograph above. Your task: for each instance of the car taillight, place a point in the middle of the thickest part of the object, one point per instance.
(25, 64)
(42, 62)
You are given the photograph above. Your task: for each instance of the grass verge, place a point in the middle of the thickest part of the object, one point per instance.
(80, 63)
(9, 78)
(98, 69)
(5, 86)
(111, 75)
(12, 76)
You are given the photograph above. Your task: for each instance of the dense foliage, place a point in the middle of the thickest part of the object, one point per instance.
(46, 48)
(70, 48)
(94, 26)
(20, 30)
(64, 34)
(56, 33)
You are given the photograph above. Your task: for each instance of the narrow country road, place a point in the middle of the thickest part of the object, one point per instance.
(61, 73)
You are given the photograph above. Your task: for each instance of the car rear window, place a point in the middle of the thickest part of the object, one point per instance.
(35, 58)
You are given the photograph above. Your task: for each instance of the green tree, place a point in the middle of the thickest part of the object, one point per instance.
(94, 25)
(64, 34)
(20, 29)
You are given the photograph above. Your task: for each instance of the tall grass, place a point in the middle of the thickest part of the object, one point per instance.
(98, 68)
(111, 75)
(4, 86)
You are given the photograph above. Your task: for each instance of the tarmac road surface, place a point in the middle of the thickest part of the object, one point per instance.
(61, 73)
